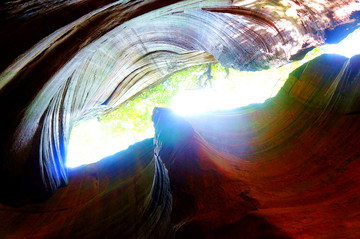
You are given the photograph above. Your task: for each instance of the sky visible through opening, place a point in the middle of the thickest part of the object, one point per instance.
(97, 138)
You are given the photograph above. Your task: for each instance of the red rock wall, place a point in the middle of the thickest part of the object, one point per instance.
(296, 175)
(287, 168)
(114, 51)
(298, 155)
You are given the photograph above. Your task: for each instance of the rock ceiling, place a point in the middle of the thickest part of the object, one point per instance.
(252, 172)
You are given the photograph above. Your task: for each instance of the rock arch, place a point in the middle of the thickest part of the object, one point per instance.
(102, 54)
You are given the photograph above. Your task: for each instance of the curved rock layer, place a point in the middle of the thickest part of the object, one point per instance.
(298, 154)
(288, 168)
(103, 200)
(111, 53)
(285, 169)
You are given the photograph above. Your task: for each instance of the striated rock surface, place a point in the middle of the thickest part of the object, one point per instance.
(298, 153)
(288, 168)
(103, 200)
(112, 52)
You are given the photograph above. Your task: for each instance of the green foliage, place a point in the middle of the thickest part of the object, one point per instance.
(134, 117)
(94, 139)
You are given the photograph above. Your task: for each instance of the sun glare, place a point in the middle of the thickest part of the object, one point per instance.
(95, 139)
(239, 90)
(256, 88)
(348, 47)
(90, 142)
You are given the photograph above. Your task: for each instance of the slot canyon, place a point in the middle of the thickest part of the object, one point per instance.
(286, 168)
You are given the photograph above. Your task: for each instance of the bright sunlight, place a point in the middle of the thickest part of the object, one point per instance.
(195, 90)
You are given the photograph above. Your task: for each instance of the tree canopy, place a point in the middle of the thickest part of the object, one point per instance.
(131, 121)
